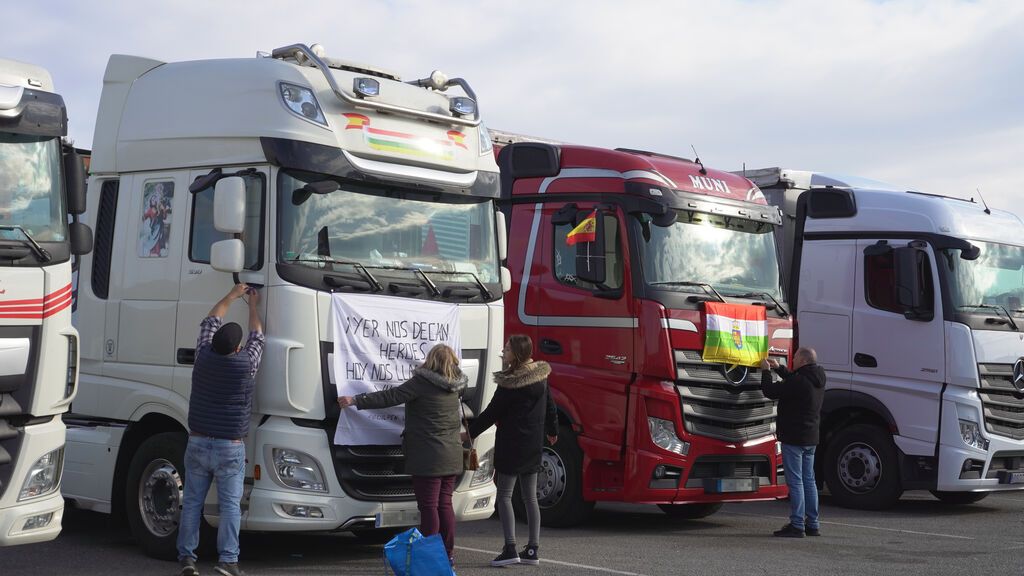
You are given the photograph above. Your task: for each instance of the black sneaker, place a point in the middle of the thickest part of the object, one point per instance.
(507, 557)
(188, 567)
(789, 531)
(812, 531)
(529, 556)
(228, 569)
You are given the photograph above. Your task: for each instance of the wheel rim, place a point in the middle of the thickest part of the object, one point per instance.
(551, 479)
(859, 468)
(160, 496)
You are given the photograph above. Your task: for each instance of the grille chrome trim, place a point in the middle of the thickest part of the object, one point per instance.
(1002, 405)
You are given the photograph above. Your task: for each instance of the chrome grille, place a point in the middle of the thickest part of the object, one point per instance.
(1002, 404)
(714, 407)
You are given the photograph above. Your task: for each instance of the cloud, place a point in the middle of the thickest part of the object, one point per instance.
(919, 92)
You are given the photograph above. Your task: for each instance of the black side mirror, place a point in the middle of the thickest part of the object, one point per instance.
(81, 238)
(565, 215)
(913, 285)
(74, 182)
(665, 220)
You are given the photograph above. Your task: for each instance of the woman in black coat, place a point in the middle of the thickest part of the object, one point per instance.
(523, 410)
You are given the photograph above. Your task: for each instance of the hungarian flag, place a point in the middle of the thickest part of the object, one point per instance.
(735, 334)
(585, 232)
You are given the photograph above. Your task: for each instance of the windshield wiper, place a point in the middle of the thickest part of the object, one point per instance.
(703, 285)
(41, 254)
(778, 305)
(483, 288)
(359, 268)
(430, 284)
(995, 307)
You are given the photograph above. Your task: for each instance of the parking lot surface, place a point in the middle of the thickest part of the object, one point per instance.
(919, 536)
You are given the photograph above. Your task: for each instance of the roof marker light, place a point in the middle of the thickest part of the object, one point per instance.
(462, 106)
(366, 87)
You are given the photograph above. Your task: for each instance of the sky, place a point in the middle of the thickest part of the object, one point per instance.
(927, 95)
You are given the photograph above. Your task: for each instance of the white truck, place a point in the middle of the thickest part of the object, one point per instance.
(307, 175)
(42, 181)
(913, 302)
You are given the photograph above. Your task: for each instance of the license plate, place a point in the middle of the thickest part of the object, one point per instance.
(724, 485)
(1013, 478)
(399, 518)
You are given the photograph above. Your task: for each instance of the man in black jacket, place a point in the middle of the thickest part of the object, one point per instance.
(799, 393)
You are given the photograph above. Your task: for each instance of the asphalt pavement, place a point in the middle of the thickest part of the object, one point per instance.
(919, 536)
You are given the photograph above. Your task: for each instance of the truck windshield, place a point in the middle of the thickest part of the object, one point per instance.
(388, 228)
(993, 280)
(734, 256)
(30, 188)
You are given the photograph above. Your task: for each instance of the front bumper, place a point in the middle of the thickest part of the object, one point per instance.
(37, 441)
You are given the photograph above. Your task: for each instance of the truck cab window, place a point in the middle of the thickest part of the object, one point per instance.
(880, 282)
(203, 234)
(565, 261)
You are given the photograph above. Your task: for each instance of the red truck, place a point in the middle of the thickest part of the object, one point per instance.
(619, 312)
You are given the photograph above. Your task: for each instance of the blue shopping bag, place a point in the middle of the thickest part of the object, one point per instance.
(412, 554)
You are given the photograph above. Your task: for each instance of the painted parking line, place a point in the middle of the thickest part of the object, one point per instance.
(558, 563)
(848, 525)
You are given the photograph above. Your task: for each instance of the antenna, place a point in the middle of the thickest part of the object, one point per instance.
(696, 158)
(983, 203)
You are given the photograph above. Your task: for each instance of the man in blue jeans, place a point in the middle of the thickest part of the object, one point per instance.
(800, 393)
(219, 408)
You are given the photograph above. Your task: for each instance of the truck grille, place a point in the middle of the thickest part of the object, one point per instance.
(373, 473)
(729, 467)
(716, 408)
(1002, 404)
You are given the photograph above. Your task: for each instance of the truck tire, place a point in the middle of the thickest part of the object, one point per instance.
(862, 468)
(154, 492)
(691, 511)
(959, 498)
(559, 484)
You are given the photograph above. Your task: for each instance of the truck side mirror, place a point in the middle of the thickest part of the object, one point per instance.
(499, 222)
(81, 238)
(590, 256)
(74, 182)
(228, 255)
(913, 283)
(229, 205)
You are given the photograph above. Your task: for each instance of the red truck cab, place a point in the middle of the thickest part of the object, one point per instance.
(620, 318)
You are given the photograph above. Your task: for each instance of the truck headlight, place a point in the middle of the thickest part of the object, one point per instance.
(971, 433)
(44, 476)
(294, 469)
(302, 102)
(663, 434)
(483, 473)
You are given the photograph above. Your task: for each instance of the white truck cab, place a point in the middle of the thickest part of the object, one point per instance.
(305, 175)
(42, 182)
(913, 303)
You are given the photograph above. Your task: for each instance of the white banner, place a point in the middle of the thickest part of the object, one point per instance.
(378, 342)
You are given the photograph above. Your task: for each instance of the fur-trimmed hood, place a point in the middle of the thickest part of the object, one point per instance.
(456, 385)
(524, 375)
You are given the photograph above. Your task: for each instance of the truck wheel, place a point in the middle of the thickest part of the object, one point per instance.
(959, 498)
(862, 468)
(559, 484)
(690, 511)
(154, 493)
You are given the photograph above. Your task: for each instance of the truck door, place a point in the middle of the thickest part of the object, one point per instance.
(587, 329)
(898, 352)
(147, 310)
(201, 285)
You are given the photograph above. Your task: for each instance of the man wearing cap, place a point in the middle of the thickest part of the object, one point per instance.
(219, 408)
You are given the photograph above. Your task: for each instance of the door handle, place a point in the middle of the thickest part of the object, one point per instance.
(865, 360)
(186, 356)
(550, 347)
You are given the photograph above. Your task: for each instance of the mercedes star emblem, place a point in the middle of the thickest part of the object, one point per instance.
(1018, 374)
(736, 374)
